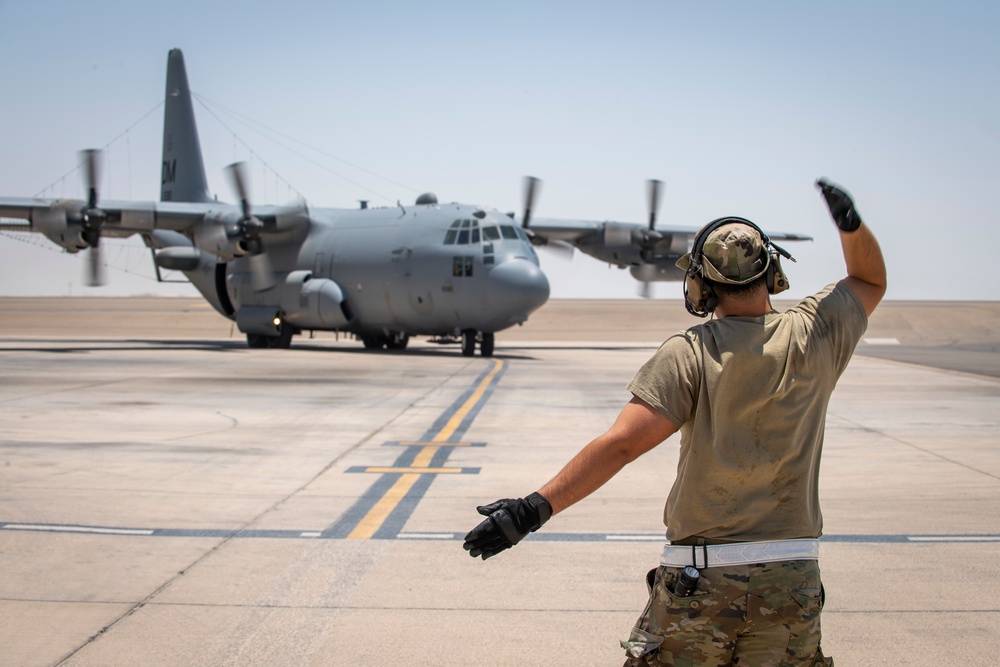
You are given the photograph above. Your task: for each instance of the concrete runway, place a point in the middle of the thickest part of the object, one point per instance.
(168, 496)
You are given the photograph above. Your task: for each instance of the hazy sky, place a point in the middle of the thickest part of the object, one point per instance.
(737, 106)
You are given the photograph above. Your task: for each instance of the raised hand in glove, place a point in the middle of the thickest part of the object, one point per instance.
(507, 522)
(841, 206)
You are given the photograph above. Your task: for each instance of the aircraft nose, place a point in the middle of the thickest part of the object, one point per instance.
(518, 287)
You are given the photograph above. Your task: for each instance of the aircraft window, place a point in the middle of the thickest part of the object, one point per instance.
(520, 232)
(461, 266)
(508, 232)
(466, 224)
(456, 224)
(449, 238)
(475, 235)
(491, 233)
(463, 237)
(488, 259)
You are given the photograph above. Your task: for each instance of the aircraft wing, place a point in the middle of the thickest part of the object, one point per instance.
(573, 230)
(123, 217)
(649, 255)
(61, 220)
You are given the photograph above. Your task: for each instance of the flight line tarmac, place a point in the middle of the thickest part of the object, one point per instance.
(168, 496)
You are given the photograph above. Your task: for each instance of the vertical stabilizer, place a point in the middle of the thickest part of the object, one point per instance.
(183, 171)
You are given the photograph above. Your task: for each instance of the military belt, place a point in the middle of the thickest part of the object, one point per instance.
(741, 553)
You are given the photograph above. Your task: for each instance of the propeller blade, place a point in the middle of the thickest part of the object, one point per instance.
(91, 159)
(654, 188)
(95, 268)
(237, 178)
(531, 186)
(261, 272)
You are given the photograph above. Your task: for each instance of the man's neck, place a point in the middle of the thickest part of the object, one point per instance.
(755, 307)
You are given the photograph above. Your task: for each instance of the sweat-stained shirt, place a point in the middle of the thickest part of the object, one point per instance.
(749, 395)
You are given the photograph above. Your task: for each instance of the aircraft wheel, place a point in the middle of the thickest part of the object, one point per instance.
(398, 342)
(283, 340)
(468, 343)
(486, 345)
(373, 342)
(257, 341)
(262, 341)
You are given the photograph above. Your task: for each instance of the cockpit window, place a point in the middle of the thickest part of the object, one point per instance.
(508, 232)
(464, 232)
(491, 233)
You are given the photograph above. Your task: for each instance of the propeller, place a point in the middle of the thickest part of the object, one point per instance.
(92, 217)
(249, 230)
(560, 249)
(650, 236)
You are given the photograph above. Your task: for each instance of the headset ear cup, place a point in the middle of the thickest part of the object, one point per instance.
(694, 293)
(777, 281)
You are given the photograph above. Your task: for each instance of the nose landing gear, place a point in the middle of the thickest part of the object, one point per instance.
(469, 339)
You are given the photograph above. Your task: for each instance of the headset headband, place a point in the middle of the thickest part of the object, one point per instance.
(697, 248)
(698, 297)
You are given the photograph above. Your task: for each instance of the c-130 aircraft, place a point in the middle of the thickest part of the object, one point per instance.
(383, 274)
(452, 271)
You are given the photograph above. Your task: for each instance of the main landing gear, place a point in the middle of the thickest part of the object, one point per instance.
(469, 339)
(394, 342)
(282, 340)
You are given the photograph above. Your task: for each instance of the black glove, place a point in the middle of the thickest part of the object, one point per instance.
(507, 522)
(841, 206)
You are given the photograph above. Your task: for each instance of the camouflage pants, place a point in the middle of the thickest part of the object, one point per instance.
(763, 615)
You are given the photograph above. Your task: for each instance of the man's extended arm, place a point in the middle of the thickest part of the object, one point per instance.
(638, 429)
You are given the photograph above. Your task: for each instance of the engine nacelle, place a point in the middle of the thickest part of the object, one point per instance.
(659, 272)
(302, 301)
(177, 258)
(218, 234)
(62, 225)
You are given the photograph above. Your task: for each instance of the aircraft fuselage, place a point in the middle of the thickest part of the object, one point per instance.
(417, 270)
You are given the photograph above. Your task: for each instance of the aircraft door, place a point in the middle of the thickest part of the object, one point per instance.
(410, 294)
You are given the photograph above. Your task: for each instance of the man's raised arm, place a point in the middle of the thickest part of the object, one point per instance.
(866, 275)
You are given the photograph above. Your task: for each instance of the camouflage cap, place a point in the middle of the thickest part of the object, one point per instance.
(734, 253)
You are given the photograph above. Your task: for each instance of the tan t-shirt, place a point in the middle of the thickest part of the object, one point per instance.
(750, 396)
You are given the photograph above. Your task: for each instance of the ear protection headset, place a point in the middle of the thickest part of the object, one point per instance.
(699, 299)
